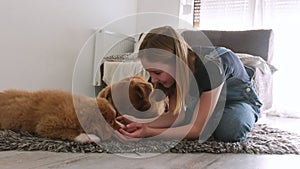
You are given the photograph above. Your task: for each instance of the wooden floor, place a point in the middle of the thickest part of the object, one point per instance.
(32, 160)
(40, 159)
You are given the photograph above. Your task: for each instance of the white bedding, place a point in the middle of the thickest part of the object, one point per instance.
(116, 71)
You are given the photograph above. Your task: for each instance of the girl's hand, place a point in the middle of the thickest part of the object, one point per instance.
(123, 138)
(126, 119)
(133, 131)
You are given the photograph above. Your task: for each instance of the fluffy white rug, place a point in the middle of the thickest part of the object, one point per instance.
(262, 140)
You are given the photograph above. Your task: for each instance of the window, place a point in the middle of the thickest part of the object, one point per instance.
(226, 14)
(196, 15)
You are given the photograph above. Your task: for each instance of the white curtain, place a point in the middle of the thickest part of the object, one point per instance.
(283, 16)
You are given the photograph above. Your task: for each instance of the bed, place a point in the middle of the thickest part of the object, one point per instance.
(254, 47)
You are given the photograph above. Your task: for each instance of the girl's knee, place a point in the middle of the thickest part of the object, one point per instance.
(236, 122)
(234, 132)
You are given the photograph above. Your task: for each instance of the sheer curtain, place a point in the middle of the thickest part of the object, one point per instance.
(283, 17)
(280, 15)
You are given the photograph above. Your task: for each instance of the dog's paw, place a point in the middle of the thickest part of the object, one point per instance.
(87, 138)
(94, 138)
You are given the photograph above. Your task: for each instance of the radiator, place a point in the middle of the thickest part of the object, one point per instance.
(107, 44)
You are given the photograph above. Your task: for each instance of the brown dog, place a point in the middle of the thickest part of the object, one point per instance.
(58, 114)
(136, 97)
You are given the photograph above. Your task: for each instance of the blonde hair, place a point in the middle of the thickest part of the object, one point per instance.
(177, 52)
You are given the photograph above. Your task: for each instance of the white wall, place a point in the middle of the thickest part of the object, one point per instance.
(154, 13)
(41, 39)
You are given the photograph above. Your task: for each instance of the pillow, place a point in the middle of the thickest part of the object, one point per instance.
(122, 57)
(256, 62)
(262, 79)
(119, 66)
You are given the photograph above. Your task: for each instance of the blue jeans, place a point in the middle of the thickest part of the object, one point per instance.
(236, 112)
(231, 120)
(235, 118)
(236, 122)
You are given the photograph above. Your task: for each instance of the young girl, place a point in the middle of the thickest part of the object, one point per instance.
(210, 92)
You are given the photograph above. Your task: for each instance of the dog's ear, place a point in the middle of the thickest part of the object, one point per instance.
(101, 129)
(139, 96)
(96, 124)
(142, 90)
(105, 131)
(108, 122)
(105, 93)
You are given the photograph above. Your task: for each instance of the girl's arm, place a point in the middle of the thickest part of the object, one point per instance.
(167, 120)
(203, 111)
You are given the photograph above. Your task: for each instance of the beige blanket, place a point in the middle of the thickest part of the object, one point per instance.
(115, 71)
